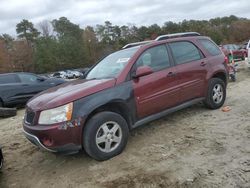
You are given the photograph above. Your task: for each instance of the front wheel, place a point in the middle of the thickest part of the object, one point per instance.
(216, 94)
(105, 135)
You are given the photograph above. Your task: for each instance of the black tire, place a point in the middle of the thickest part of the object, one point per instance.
(233, 77)
(1, 103)
(7, 112)
(209, 101)
(95, 125)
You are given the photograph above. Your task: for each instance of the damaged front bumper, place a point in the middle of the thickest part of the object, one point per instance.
(61, 137)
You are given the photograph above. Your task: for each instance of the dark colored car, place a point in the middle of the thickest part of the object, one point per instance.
(237, 52)
(128, 88)
(1, 158)
(18, 88)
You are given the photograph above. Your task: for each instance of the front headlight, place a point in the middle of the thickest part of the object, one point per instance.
(56, 115)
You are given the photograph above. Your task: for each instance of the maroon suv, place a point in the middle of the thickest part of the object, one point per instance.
(128, 88)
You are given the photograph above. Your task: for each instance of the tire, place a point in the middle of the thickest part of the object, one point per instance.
(233, 77)
(7, 112)
(111, 141)
(1, 103)
(215, 100)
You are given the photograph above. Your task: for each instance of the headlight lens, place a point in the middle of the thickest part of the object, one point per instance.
(56, 115)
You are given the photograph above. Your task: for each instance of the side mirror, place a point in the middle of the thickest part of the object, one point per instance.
(143, 71)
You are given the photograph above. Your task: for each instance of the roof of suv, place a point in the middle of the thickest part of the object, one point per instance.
(163, 37)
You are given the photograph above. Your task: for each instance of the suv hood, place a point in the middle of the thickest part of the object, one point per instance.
(67, 93)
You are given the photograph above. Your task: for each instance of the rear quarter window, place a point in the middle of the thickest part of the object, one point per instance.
(6, 79)
(212, 48)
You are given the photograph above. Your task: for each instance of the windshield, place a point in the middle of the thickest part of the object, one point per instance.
(112, 65)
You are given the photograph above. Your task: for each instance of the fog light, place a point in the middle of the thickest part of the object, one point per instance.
(47, 142)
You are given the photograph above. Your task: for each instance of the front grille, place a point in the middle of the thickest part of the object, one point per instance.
(29, 117)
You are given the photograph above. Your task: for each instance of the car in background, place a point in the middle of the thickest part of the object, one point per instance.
(59, 74)
(76, 73)
(18, 88)
(238, 53)
(1, 158)
(246, 46)
(127, 89)
(67, 74)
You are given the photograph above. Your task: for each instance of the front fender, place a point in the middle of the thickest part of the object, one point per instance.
(122, 93)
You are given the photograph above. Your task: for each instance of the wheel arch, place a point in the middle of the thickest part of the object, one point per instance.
(117, 106)
(221, 75)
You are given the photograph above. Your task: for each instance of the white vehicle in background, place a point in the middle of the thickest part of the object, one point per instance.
(60, 74)
(75, 73)
(248, 52)
(247, 47)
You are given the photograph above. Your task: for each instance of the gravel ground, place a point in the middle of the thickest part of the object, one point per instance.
(194, 147)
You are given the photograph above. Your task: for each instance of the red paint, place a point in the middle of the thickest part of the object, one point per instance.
(67, 93)
(156, 92)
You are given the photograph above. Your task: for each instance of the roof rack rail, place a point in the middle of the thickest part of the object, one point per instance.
(162, 37)
(176, 35)
(136, 44)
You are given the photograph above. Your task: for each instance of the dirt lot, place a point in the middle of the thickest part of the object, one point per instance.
(194, 147)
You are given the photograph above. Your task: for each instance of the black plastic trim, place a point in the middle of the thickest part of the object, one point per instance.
(166, 112)
(122, 94)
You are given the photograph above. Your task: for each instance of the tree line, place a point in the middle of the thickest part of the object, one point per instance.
(60, 44)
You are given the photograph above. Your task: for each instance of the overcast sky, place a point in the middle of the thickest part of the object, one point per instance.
(118, 12)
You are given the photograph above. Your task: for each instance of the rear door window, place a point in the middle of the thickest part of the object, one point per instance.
(210, 47)
(6, 79)
(185, 51)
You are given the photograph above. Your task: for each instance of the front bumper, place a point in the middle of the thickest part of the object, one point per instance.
(55, 138)
(34, 140)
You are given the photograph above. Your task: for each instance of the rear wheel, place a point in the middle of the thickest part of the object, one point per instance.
(216, 93)
(105, 135)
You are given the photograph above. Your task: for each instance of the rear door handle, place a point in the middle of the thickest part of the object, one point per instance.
(171, 74)
(203, 64)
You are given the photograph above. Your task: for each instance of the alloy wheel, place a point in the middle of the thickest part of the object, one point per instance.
(108, 136)
(218, 93)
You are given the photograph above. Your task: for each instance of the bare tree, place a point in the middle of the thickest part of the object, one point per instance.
(46, 28)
